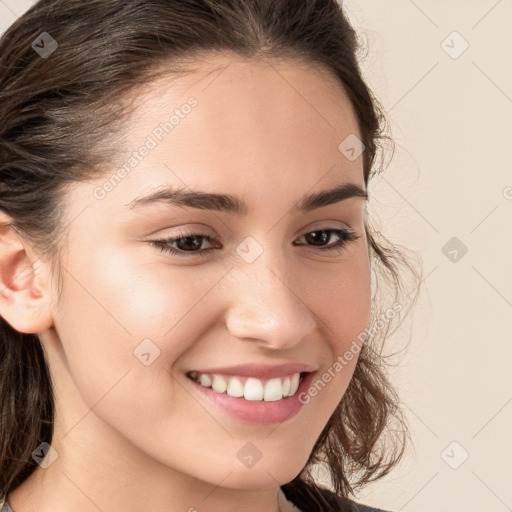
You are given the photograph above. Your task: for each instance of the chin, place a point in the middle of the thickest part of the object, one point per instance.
(253, 479)
(275, 470)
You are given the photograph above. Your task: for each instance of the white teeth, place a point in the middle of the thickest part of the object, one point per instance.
(273, 390)
(235, 387)
(205, 380)
(286, 386)
(219, 384)
(294, 384)
(253, 389)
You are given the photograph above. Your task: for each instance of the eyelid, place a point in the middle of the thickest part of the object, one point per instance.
(199, 230)
(323, 224)
(184, 230)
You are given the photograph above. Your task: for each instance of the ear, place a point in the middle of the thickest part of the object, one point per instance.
(25, 292)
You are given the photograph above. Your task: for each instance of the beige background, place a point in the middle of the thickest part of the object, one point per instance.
(450, 114)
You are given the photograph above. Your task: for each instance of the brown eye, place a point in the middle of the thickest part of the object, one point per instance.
(187, 244)
(322, 236)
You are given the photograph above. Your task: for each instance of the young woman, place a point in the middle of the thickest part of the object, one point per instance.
(190, 316)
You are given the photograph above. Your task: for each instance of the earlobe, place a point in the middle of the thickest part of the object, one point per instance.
(25, 293)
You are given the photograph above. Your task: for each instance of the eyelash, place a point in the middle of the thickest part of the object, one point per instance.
(346, 236)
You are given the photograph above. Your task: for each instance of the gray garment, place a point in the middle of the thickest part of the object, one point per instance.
(4, 507)
(357, 507)
(319, 498)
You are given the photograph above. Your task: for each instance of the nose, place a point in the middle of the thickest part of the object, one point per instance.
(267, 306)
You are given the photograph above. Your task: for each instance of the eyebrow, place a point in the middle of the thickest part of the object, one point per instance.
(232, 204)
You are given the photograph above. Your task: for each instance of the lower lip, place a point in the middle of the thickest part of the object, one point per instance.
(256, 411)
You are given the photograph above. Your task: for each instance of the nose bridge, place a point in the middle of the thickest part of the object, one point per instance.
(266, 306)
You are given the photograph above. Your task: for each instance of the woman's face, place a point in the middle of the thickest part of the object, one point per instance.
(250, 299)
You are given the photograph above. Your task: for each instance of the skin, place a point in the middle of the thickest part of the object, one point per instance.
(267, 132)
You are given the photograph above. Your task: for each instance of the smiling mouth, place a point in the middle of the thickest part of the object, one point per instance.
(250, 388)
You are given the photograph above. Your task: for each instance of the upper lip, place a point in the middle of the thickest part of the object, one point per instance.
(261, 371)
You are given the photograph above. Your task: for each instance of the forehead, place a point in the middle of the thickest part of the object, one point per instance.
(231, 92)
(249, 117)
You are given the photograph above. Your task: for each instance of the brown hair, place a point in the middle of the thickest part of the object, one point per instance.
(59, 117)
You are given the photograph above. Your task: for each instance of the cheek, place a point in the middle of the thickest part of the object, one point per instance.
(150, 310)
(344, 303)
(116, 307)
